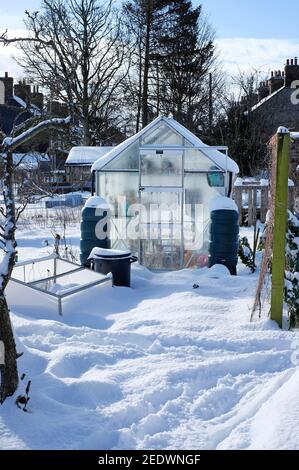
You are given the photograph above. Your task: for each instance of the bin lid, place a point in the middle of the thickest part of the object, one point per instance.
(107, 253)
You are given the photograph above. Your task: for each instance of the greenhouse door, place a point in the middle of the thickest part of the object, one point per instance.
(161, 219)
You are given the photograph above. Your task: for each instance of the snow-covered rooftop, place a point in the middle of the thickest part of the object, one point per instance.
(223, 161)
(269, 97)
(86, 155)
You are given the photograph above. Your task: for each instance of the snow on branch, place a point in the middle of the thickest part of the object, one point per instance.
(11, 143)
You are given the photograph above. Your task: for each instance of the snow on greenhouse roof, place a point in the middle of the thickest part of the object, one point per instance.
(223, 161)
(86, 155)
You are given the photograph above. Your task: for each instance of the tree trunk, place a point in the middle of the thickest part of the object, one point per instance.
(139, 97)
(86, 132)
(149, 13)
(9, 371)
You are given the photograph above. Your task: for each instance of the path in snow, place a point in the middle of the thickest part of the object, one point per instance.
(160, 365)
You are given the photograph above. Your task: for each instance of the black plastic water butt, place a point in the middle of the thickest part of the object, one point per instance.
(117, 262)
(224, 234)
(94, 213)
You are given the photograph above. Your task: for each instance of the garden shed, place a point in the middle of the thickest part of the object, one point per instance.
(164, 177)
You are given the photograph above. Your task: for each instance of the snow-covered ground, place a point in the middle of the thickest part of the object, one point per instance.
(161, 365)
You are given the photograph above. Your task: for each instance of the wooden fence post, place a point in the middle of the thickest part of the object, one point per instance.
(238, 200)
(280, 224)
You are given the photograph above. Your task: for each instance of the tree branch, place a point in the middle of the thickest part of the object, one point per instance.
(11, 143)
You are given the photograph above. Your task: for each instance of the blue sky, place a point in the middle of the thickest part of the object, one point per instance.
(254, 18)
(250, 33)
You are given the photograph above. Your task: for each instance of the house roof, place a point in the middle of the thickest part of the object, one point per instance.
(268, 98)
(82, 156)
(223, 161)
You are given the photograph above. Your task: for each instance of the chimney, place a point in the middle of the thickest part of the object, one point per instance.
(37, 98)
(7, 88)
(263, 91)
(291, 72)
(275, 82)
(23, 91)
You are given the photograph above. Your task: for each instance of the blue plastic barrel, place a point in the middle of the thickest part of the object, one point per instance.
(224, 234)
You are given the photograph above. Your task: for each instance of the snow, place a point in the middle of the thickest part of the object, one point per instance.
(33, 109)
(86, 155)
(223, 203)
(159, 366)
(96, 201)
(223, 161)
(21, 102)
(283, 130)
(267, 98)
(98, 252)
(14, 142)
(256, 182)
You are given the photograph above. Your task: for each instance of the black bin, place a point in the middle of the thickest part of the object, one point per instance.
(117, 262)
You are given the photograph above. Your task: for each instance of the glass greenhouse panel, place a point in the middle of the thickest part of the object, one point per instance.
(120, 190)
(128, 159)
(162, 135)
(197, 161)
(161, 207)
(198, 195)
(161, 254)
(161, 168)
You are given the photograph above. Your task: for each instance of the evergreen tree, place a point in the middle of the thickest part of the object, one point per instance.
(144, 19)
(291, 274)
(174, 52)
(184, 56)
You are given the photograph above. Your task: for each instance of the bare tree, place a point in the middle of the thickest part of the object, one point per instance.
(75, 50)
(240, 127)
(9, 218)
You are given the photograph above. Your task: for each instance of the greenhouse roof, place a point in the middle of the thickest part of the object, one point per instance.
(220, 159)
(86, 155)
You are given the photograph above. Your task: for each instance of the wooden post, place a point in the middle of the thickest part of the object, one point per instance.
(264, 202)
(254, 205)
(280, 223)
(238, 200)
(250, 207)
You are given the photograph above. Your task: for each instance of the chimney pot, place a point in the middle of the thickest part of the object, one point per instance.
(6, 74)
(296, 60)
(288, 61)
(292, 61)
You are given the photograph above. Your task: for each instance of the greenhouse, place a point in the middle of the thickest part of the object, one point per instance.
(159, 185)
